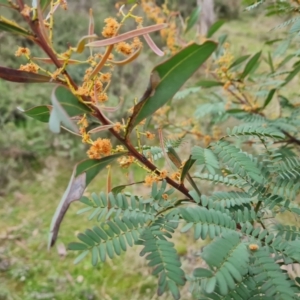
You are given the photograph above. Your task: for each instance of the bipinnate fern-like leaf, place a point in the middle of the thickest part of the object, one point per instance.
(103, 206)
(110, 238)
(164, 258)
(231, 199)
(226, 180)
(289, 233)
(153, 152)
(272, 281)
(237, 161)
(206, 222)
(206, 158)
(258, 130)
(289, 168)
(227, 258)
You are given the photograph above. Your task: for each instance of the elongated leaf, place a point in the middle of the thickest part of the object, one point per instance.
(214, 28)
(83, 41)
(126, 36)
(188, 164)
(209, 83)
(77, 246)
(80, 257)
(65, 105)
(251, 64)
(12, 27)
(128, 59)
(47, 60)
(193, 19)
(40, 113)
(59, 115)
(269, 98)
(172, 74)
(201, 272)
(118, 189)
(83, 174)
(69, 102)
(292, 75)
(93, 166)
(174, 157)
(152, 45)
(73, 192)
(238, 61)
(23, 76)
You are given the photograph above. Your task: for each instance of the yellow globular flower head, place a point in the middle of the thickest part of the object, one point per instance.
(224, 63)
(124, 48)
(26, 11)
(99, 147)
(64, 4)
(110, 28)
(82, 91)
(206, 140)
(22, 51)
(149, 135)
(105, 77)
(253, 247)
(139, 20)
(136, 43)
(120, 148)
(102, 97)
(163, 174)
(165, 196)
(87, 74)
(175, 176)
(117, 127)
(83, 122)
(98, 85)
(30, 67)
(85, 137)
(125, 161)
(149, 179)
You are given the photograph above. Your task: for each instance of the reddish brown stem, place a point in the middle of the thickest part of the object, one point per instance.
(35, 26)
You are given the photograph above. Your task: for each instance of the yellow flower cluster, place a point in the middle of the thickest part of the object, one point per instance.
(224, 63)
(94, 88)
(99, 147)
(30, 67)
(110, 28)
(158, 15)
(22, 51)
(83, 124)
(151, 178)
(126, 161)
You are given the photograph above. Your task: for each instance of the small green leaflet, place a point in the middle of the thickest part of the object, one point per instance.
(40, 113)
(65, 105)
(214, 28)
(193, 18)
(250, 65)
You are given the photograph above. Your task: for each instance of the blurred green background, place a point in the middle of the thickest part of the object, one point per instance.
(35, 166)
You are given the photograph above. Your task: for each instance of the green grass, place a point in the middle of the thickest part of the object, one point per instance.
(29, 271)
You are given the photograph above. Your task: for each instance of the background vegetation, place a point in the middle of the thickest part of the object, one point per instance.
(35, 168)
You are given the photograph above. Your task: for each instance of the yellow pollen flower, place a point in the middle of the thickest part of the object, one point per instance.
(22, 51)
